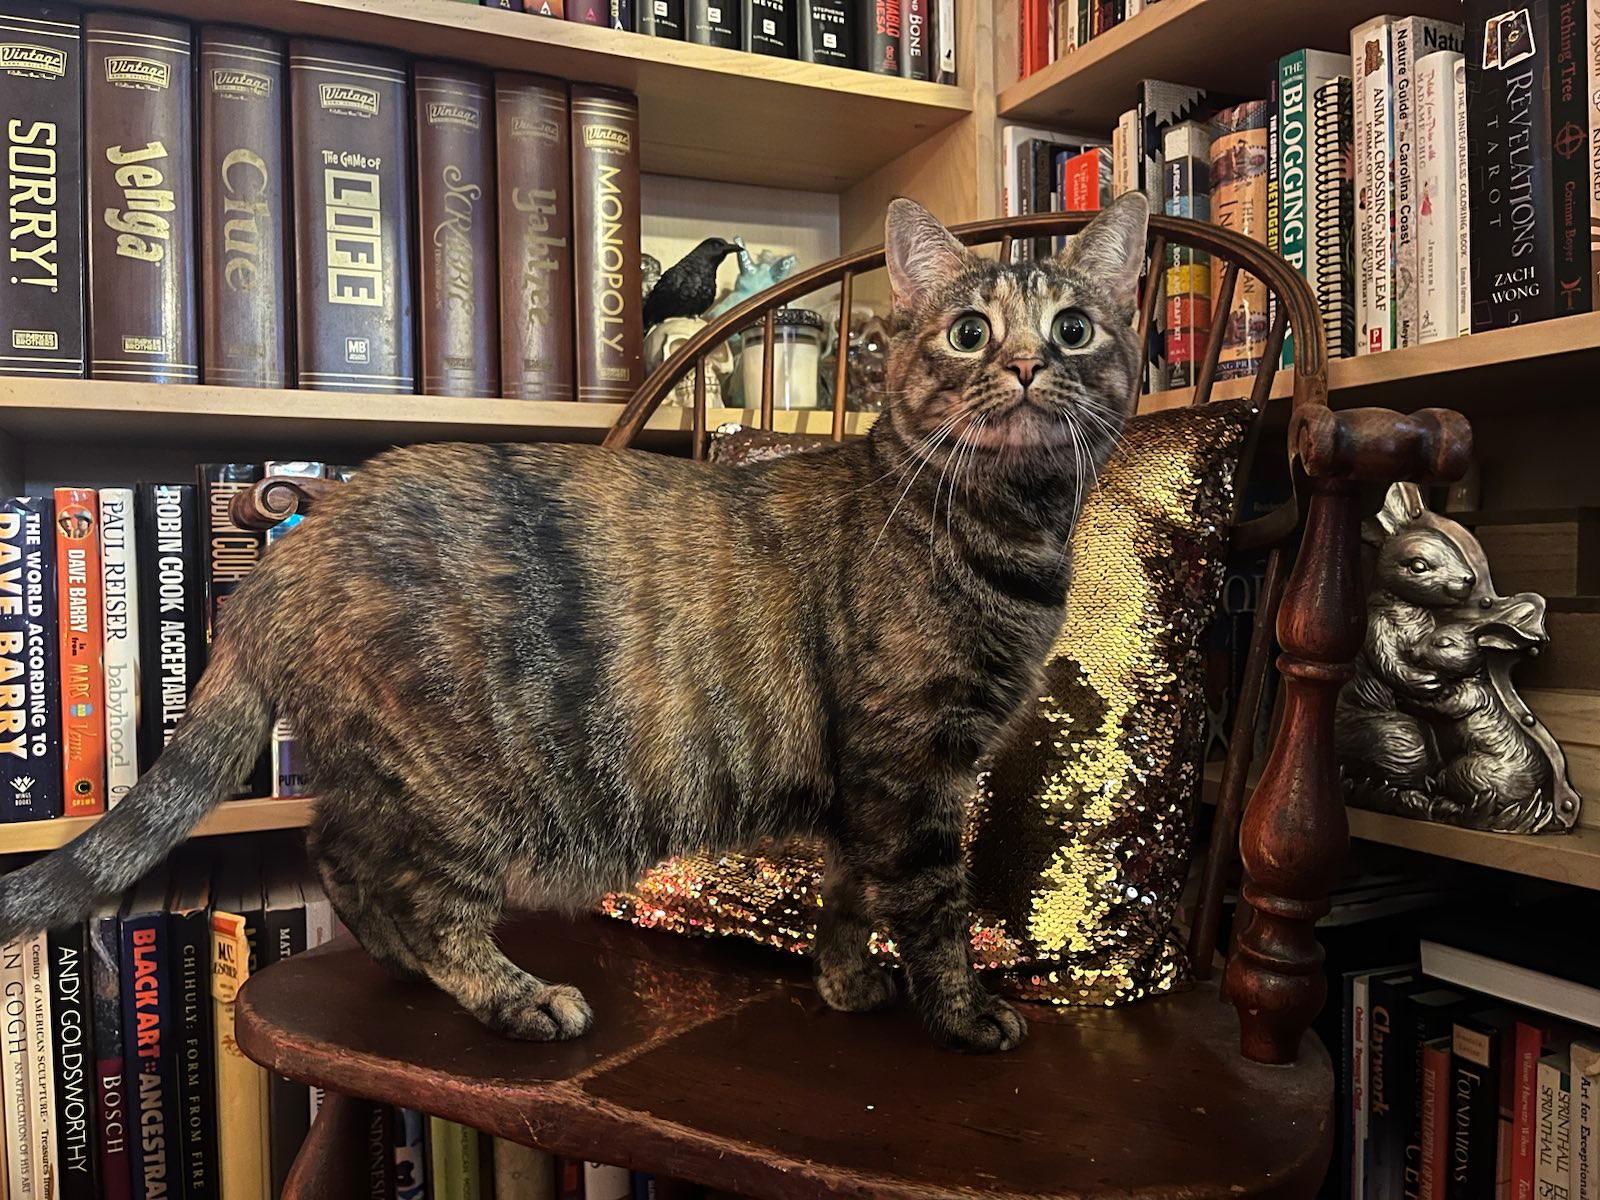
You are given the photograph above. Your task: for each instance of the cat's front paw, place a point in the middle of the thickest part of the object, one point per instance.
(863, 988)
(984, 1026)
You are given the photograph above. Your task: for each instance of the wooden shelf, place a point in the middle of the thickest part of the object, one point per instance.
(705, 112)
(1564, 858)
(106, 410)
(1227, 46)
(234, 816)
(1502, 368)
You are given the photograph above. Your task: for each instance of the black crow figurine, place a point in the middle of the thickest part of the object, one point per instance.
(687, 288)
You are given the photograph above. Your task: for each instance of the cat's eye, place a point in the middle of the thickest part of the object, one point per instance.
(970, 333)
(1072, 329)
(1418, 565)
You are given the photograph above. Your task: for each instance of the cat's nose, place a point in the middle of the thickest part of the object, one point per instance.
(1025, 367)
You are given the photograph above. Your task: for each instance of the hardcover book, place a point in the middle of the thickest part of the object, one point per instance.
(21, 1183)
(410, 1142)
(147, 1035)
(1553, 1164)
(454, 120)
(825, 31)
(244, 226)
(41, 1063)
(189, 936)
(768, 27)
(77, 1164)
(283, 935)
(1474, 1108)
(230, 552)
(662, 18)
(172, 609)
(352, 218)
(454, 1160)
(1530, 254)
(1434, 173)
(1372, 100)
(605, 207)
(715, 23)
(621, 14)
(879, 35)
(1387, 1083)
(1301, 76)
(1186, 153)
(119, 573)
(31, 781)
(82, 660)
(1586, 1120)
(288, 773)
(1463, 214)
(41, 80)
(1239, 202)
(944, 41)
(916, 59)
(111, 1095)
(139, 145)
(533, 132)
(241, 1085)
(1333, 248)
(589, 12)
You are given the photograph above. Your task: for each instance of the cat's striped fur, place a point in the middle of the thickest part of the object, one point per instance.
(527, 673)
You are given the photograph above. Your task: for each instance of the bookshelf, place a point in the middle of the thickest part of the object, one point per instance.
(235, 816)
(1572, 858)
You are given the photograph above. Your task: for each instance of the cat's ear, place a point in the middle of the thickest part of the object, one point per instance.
(1111, 248)
(919, 252)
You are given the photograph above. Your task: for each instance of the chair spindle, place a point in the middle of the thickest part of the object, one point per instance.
(841, 369)
(768, 360)
(1219, 327)
(1005, 248)
(700, 407)
(1152, 287)
(1268, 370)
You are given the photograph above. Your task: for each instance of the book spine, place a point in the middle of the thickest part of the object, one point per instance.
(21, 1182)
(77, 1165)
(944, 36)
(42, 118)
(230, 552)
(1435, 1114)
(454, 121)
(41, 1065)
(283, 935)
(171, 609)
(1187, 154)
(1385, 1115)
(240, 1111)
(605, 207)
(1569, 120)
(767, 27)
(119, 574)
(1528, 1046)
(1274, 213)
(139, 146)
(879, 38)
(1402, 45)
(715, 23)
(1592, 65)
(825, 28)
(1463, 193)
(1369, 56)
(410, 1155)
(1239, 202)
(147, 1031)
(1434, 173)
(915, 60)
(604, 1182)
(110, 1090)
(30, 708)
(190, 934)
(288, 769)
(455, 1161)
(352, 219)
(1358, 1020)
(244, 276)
(1474, 1115)
(1553, 1147)
(621, 14)
(533, 128)
(662, 18)
(1335, 216)
(82, 663)
(589, 12)
(523, 1171)
(1586, 1119)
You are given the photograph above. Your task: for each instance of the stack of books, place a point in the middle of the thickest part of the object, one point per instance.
(1052, 29)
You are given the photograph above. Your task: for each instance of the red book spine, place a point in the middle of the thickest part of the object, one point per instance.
(589, 12)
(1524, 1119)
(1435, 1143)
(83, 679)
(1083, 182)
(1035, 32)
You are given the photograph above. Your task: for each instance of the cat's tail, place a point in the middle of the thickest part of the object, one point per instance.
(207, 760)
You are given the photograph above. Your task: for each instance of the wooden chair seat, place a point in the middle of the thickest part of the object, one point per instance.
(717, 1063)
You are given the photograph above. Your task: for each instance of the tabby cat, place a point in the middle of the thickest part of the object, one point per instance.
(636, 655)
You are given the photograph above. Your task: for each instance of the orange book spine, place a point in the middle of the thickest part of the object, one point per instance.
(83, 678)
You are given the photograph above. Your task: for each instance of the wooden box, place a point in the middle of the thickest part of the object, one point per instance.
(1555, 551)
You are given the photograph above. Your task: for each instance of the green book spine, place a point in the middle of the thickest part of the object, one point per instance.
(1294, 151)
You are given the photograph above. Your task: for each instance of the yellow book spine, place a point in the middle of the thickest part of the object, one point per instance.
(241, 1085)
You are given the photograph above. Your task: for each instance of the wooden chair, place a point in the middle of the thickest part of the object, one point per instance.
(716, 1063)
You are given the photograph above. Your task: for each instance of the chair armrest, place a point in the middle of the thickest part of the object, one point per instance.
(1433, 445)
(277, 498)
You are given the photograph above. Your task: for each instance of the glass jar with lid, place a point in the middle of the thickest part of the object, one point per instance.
(796, 364)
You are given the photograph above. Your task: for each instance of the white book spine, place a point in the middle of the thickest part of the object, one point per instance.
(604, 1182)
(1586, 1121)
(1552, 1161)
(119, 574)
(1403, 115)
(1434, 173)
(1369, 56)
(945, 42)
(41, 1068)
(1359, 991)
(522, 1171)
(1463, 203)
(14, 1060)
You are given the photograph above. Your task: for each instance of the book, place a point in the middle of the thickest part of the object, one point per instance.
(1463, 202)
(523, 1171)
(916, 58)
(229, 551)
(352, 218)
(589, 12)
(81, 658)
(1430, 1013)
(1410, 39)
(147, 1037)
(878, 36)
(119, 574)
(1530, 259)
(1334, 202)
(1087, 179)
(569, 1179)
(189, 937)
(288, 770)
(410, 1142)
(767, 27)
(41, 1063)
(454, 1160)
(1434, 172)
(380, 1182)
(715, 23)
(621, 14)
(111, 1082)
(1522, 958)
(240, 1084)
(824, 28)
(1387, 1083)
(545, 8)
(1355, 1115)
(1553, 1161)
(602, 1181)
(609, 306)
(1371, 102)
(1186, 162)
(77, 1164)
(319, 931)
(139, 149)
(283, 935)
(1124, 154)
(244, 228)
(662, 18)
(1434, 1106)
(31, 780)
(456, 187)
(41, 79)
(1585, 1079)
(1301, 75)
(172, 609)
(15, 1103)
(1239, 202)
(1474, 1108)
(533, 132)
(944, 41)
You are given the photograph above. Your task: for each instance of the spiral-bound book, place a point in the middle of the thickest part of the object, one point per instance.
(1333, 205)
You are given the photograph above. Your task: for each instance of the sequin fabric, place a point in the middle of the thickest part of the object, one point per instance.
(1078, 836)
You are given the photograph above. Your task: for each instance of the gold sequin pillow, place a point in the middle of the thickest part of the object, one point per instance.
(1078, 838)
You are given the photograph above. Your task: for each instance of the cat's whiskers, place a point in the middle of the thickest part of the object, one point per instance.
(943, 431)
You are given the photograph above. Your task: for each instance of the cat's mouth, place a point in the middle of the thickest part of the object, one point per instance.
(1018, 425)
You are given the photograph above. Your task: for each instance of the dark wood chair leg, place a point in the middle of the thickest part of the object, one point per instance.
(335, 1162)
(1295, 836)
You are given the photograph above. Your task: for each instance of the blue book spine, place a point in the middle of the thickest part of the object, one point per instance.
(30, 702)
(147, 1036)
